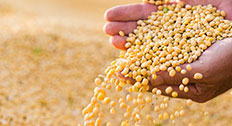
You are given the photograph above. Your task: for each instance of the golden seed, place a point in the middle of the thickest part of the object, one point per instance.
(108, 124)
(128, 109)
(118, 88)
(98, 121)
(121, 100)
(154, 90)
(186, 89)
(96, 110)
(181, 87)
(182, 112)
(107, 100)
(166, 99)
(100, 114)
(148, 117)
(189, 102)
(145, 81)
(206, 114)
(172, 73)
(223, 13)
(98, 81)
(112, 103)
(188, 67)
(86, 117)
(121, 33)
(101, 96)
(140, 95)
(158, 92)
(97, 105)
(185, 81)
(127, 115)
(138, 84)
(162, 106)
(138, 78)
(198, 76)
(112, 110)
(128, 97)
(85, 111)
(169, 69)
(122, 105)
(148, 99)
(122, 84)
(177, 114)
(174, 94)
(166, 115)
(172, 117)
(183, 71)
(108, 86)
(160, 116)
(163, 67)
(168, 90)
(154, 76)
(178, 68)
(157, 108)
(93, 100)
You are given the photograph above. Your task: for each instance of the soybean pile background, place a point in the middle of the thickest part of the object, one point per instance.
(50, 53)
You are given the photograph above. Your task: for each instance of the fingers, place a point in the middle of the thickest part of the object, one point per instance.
(129, 12)
(226, 6)
(163, 77)
(113, 28)
(118, 42)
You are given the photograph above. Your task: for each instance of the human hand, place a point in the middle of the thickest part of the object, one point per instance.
(124, 18)
(214, 64)
(210, 86)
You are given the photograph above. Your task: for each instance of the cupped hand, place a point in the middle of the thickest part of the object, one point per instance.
(214, 64)
(124, 18)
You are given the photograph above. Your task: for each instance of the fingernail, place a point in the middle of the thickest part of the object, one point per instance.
(158, 81)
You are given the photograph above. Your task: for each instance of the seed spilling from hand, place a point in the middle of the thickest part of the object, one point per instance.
(169, 38)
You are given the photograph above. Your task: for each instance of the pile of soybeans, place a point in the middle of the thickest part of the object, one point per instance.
(174, 35)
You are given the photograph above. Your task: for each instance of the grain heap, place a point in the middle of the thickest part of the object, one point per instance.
(174, 35)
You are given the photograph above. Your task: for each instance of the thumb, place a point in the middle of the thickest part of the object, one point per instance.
(163, 77)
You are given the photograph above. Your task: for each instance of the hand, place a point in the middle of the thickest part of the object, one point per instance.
(214, 63)
(124, 18)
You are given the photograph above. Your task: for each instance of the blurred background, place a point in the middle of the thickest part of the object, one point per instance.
(50, 53)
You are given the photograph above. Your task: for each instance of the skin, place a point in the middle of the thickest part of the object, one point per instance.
(214, 63)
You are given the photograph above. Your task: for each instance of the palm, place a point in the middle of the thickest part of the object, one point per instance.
(124, 18)
(214, 64)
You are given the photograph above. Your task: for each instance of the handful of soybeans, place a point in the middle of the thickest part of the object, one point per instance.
(174, 35)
